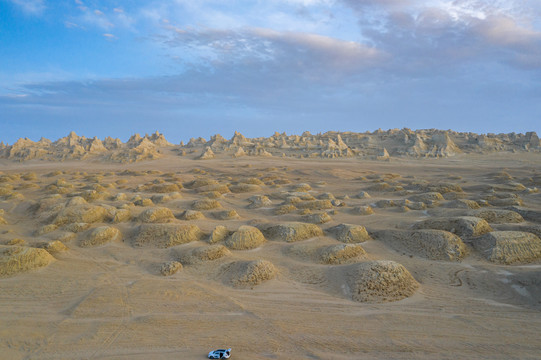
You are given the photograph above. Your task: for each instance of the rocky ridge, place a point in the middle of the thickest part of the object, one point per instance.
(380, 145)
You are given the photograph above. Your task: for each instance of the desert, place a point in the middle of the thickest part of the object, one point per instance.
(393, 244)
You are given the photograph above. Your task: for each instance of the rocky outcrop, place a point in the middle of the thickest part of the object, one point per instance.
(382, 145)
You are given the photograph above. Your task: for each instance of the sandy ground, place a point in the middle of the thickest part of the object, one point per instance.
(111, 302)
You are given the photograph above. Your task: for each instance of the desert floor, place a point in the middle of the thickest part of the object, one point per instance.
(112, 302)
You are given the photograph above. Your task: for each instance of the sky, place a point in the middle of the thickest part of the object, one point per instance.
(197, 68)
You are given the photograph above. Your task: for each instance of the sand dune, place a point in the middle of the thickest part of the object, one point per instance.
(142, 250)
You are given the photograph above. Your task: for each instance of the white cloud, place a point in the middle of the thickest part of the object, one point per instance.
(506, 31)
(295, 53)
(428, 34)
(34, 7)
(103, 19)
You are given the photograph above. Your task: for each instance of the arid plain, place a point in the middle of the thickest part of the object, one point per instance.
(387, 245)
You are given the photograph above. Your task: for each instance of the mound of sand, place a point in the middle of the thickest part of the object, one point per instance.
(200, 182)
(81, 214)
(171, 267)
(121, 215)
(219, 188)
(244, 188)
(156, 215)
(528, 214)
(17, 259)
(143, 202)
(319, 218)
(497, 216)
(101, 235)
(509, 247)
(363, 210)
(463, 204)
(220, 233)
(192, 215)
(463, 226)
(506, 202)
(64, 236)
(77, 227)
(382, 204)
(293, 231)
(251, 180)
(302, 187)
(166, 235)
(165, 188)
(348, 233)
(284, 209)
(380, 281)
(54, 247)
(76, 200)
(45, 229)
(431, 244)
(340, 254)
(314, 205)
(245, 238)
(226, 215)
(248, 273)
(363, 195)
(426, 197)
(258, 201)
(201, 254)
(206, 204)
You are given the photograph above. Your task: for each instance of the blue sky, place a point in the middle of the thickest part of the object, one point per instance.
(196, 68)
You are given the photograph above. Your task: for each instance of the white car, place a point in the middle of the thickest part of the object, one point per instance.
(220, 354)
